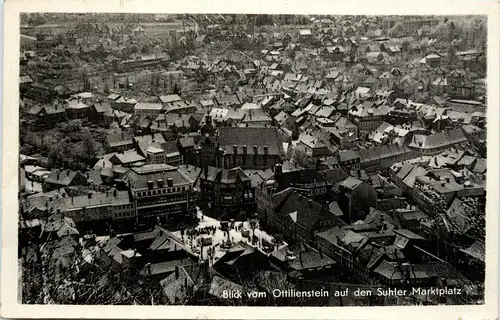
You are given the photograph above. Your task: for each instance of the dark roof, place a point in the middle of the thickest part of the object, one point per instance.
(300, 177)
(61, 177)
(139, 177)
(226, 175)
(303, 211)
(240, 136)
(348, 155)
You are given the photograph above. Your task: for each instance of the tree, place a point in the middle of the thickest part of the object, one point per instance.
(423, 45)
(398, 30)
(405, 45)
(88, 144)
(106, 88)
(177, 90)
(451, 53)
(146, 48)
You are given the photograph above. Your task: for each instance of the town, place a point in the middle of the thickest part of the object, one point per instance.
(172, 159)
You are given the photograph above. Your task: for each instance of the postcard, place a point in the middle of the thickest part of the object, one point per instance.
(225, 160)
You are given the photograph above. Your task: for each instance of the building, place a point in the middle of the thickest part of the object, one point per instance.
(59, 178)
(226, 191)
(110, 206)
(161, 193)
(48, 114)
(245, 147)
(248, 148)
(298, 217)
(383, 157)
(148, 108)
(433, 144)
(368, 116)
(355, 197)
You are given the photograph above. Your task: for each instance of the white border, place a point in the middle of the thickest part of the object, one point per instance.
(10, 307)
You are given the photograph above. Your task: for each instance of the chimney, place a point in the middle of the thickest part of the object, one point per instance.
(235, 149)
(206, 267)
(255, 149)
(170, 182)
(176, 272)
(278, 169)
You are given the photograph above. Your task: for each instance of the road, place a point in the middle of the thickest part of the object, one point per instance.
(220, 236)
(28, 37)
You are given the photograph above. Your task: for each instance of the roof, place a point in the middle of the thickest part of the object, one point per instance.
(332, 235)
(96, 200)
(148, 106)
(219, 286)
(438, 140)
(476, 250)
(170, 98)
(139, 177)
(350, 183)
(303, 211)
(61, 177)
(241, 136)
(226, 175)
(127, 157)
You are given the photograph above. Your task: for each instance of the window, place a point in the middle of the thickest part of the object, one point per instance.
(183, 188)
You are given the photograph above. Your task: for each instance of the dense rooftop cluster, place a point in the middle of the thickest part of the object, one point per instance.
(166, 159)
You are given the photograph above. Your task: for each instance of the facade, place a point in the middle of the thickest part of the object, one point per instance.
(161, 193)
(226, 190)
(249, 148)
(109, 206)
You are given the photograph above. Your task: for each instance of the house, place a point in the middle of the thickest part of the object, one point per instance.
(355, 197)
(363, 92)
(299, 217)
(148, 108)
(438, 142)
(76, 109)
(48, 114)
(97, 111)
(124, 104)
(127, 158)
(248, 147)
(305, 36)
(303, 262)
(226, 191)
(186, 148)
(161, 193)
(63, 178)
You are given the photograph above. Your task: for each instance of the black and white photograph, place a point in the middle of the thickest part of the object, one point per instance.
(251, 160)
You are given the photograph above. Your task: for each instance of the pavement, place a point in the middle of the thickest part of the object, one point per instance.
(220, 236)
